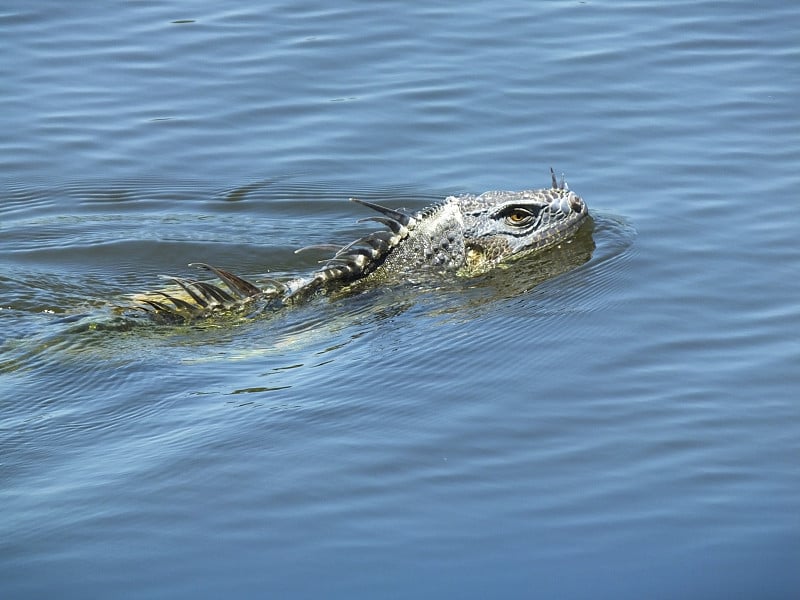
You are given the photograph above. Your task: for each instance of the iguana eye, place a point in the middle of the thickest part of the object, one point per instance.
(518, 217)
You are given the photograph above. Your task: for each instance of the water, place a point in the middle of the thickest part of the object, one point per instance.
(625, 427)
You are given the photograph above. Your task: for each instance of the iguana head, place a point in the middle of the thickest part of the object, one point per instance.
(499, 226)
(468, 234)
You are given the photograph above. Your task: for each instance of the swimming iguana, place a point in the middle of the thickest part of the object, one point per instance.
(465, 235)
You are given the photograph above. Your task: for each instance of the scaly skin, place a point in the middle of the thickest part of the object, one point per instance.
(465, 235)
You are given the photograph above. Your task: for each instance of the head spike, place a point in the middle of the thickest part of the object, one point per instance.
(319, 247)
(398, 216)
(237, 285)
(382, 241)
(213, 292)
(189, 288)
(180, 304)
(159, 307)
(390, 223)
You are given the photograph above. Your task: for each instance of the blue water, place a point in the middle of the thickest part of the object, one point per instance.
(625, 426)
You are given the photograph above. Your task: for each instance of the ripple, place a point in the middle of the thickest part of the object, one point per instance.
(622, 423)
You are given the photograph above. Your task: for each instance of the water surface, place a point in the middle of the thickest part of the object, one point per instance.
(621, 424)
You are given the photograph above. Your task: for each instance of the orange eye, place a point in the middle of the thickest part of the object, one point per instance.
(518, 216)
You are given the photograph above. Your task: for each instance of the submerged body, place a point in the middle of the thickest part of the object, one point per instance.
(466, 235)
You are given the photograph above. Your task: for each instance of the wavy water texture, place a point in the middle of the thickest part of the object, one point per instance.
(620, 424)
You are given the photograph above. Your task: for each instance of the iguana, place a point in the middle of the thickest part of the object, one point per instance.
(465, 235)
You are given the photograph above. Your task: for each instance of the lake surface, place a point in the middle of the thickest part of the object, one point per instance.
(619, 422)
